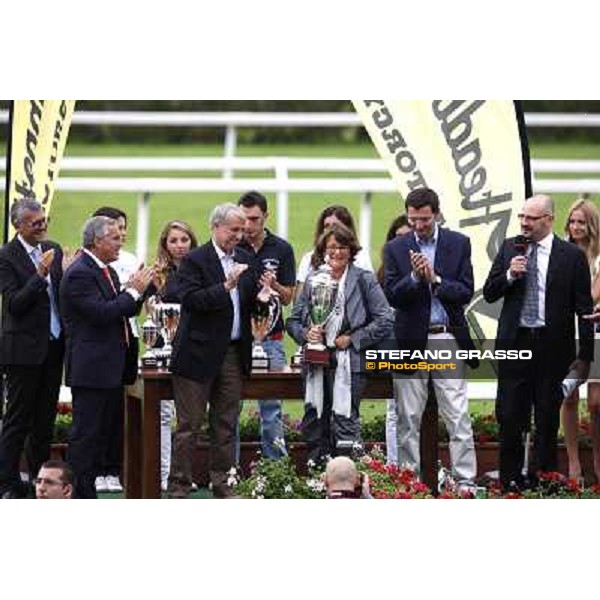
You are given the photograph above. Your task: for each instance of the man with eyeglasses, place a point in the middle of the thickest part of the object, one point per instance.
(54, 481)
(31, 345)
(544, 282)
(428, 279)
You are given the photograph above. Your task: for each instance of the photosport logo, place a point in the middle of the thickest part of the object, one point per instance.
(442, 358)
(434, 360)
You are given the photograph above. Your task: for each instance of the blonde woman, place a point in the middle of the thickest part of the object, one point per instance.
(583, 228)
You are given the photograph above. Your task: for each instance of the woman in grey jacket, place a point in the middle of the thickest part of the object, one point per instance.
(361, 317)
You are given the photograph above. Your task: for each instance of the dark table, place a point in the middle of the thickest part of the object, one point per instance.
(142, 422)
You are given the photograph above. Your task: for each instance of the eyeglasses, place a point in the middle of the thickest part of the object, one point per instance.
(424, 220)
(47, 481)
(530, 218)
(334, 249)
(39, 223)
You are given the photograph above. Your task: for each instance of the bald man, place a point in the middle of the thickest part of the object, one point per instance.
(342, 480)
(544, 282)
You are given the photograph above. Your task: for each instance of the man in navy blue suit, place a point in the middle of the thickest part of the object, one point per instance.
(31, 343)
(428, 279)
(99, 357)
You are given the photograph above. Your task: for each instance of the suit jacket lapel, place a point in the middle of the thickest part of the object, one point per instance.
(214, 263)
(351, 281)
(21, 256)
(103, 282)
(553, 267)
(439, 251)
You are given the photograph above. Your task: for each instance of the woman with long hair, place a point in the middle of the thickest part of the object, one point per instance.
(176, 240)
(583, 228)
(329, 216)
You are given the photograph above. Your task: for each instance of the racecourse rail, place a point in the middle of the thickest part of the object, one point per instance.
(281, 183)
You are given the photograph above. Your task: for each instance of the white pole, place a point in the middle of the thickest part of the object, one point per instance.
(281, 175)
(143, 226)
(230, 147)
(366, 218)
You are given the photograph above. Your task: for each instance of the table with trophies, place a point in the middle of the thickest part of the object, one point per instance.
(142, 414)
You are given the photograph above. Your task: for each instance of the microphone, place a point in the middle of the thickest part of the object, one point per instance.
(521, 243)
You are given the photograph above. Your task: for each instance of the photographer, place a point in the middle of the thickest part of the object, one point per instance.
(344, 482)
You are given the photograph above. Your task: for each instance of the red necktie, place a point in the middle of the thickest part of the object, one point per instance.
(114, 289)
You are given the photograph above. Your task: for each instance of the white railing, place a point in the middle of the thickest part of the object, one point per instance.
(232, 121)
(282, 184)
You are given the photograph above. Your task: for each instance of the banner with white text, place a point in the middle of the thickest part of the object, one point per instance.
(38, 132)
(474, 154)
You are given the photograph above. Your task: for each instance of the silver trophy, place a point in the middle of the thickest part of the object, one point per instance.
(266, 313)
(168, 315)
(322, 294)
(150, 331)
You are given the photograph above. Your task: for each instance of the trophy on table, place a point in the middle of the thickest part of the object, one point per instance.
(168, 315)
(322, 294)
(150, 332)
(265, 314)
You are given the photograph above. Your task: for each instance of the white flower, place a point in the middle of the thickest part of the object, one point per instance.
(317, 485)
(279, 443)
(288, 489)
(311, 463)
(232, 471)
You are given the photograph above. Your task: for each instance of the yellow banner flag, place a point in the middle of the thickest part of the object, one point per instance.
(38, 135)
(474, 154)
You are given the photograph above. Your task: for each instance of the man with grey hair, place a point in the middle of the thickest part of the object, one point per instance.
(544, 282)
(31, 344)
(212, 349)
(100, 357)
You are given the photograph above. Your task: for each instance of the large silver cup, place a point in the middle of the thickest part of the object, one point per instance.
(322, 294)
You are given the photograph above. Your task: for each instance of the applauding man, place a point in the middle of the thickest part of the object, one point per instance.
(212, 349)
(32, 344)
(100, 355)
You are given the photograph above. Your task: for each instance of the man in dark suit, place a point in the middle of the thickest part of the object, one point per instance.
(32, 344)
(428, 278)
(544, 282)
(212, 349)
(99, 355)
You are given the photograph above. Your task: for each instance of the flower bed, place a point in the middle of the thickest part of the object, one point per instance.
(270, 479)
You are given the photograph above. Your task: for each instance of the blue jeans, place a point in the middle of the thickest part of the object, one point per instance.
(271, 423)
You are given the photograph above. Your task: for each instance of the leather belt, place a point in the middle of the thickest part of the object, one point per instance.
(531, 332)
(440, 329)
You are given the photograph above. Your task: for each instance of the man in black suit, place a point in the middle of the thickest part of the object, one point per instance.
(100, 358)
(32, 344)
(544, 282)
(212, 349)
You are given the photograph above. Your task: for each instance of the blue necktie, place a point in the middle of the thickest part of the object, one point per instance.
(531, 310)
(36, 255)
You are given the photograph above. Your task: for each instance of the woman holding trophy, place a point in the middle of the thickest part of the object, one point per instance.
(176, 240)
(341, 310)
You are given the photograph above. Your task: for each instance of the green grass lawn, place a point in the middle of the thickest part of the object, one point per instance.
(70, 210)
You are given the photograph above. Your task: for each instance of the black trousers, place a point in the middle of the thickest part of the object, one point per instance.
(333, 434)
(28, 423)
(92, 413)
(525, 387)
